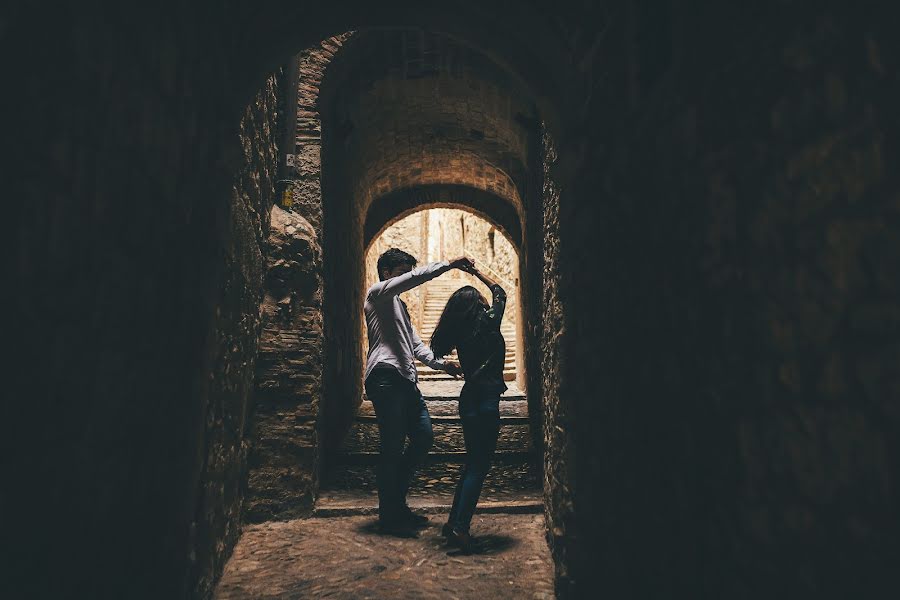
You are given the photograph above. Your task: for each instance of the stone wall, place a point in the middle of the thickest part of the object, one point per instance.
(237, 328)
(419, 109)
(454, 232)
(410, 235)
(305, 169)
(441, 234)
(285, 458)
(558, 426)
(289, 423)
(136, 245)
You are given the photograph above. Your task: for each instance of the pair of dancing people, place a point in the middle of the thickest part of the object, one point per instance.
(471, 326)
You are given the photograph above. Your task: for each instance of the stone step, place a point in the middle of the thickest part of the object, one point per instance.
(448, 438)
(431, 322)
(428, 328)
(512, 402)
(371, 458)
(441, 376)
(508, 366)
(352, 485)
(508, 376)
(446, 412)
(365, 505)
(442, 391)
(509, 358)
(426, 332)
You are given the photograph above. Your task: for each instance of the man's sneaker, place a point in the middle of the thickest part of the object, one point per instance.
(406, 514)
(397, 527)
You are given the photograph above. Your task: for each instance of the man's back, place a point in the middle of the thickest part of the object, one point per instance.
(392, 340)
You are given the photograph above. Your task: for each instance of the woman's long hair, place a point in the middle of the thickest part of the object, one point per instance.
(457, 320)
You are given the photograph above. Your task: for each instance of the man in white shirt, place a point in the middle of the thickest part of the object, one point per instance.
(391, 382)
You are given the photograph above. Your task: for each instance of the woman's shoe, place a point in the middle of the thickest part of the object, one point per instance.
(462, 540)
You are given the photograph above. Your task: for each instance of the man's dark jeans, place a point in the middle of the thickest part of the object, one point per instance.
(480, 416)
(400, 411)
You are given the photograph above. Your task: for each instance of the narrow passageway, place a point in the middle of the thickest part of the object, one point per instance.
(513, 482)
(340, 551)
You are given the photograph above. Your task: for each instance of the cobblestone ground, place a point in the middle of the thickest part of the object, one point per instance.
(339, 553)
(344, 558)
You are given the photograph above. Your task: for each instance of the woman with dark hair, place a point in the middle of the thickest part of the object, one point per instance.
(472, 326)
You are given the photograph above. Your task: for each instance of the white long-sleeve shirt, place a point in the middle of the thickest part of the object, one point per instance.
(392, 340)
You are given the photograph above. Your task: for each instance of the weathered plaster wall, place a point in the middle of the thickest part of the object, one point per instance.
(437, 234)
(455, 232)
(410, 235)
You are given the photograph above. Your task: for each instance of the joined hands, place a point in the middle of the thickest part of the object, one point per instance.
(452, 368)
(463, 263)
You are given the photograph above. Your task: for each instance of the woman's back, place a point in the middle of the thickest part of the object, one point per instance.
(482, 350)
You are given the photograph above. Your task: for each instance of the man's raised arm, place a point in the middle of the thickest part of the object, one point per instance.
(403, 283)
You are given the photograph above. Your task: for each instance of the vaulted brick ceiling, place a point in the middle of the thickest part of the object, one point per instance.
(410, 109)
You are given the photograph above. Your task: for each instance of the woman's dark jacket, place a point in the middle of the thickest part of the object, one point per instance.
(482, 354)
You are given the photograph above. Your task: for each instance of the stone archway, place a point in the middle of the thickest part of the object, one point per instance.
(439, 232)
(406, 114)
(397, 205)
(486, 157)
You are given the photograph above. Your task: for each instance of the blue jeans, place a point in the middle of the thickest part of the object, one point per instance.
(480, 418)
(401, 412)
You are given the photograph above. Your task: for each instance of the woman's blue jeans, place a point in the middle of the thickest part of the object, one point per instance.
(480, 416)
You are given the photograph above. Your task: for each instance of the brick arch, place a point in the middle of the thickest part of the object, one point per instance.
(408, 115)
(546, 66)
(406, 108)
(389, 209)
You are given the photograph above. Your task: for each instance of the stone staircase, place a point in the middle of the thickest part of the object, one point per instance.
(513, 484)
(436, 294)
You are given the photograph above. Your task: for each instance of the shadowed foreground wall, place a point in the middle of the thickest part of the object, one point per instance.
(237, 328)
(142, 208)
(738, 435)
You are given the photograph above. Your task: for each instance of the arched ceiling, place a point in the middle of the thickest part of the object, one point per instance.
(532, 43)
(403, 109)
(392, 207)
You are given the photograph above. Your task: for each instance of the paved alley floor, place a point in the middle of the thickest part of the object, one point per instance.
(345, 558)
